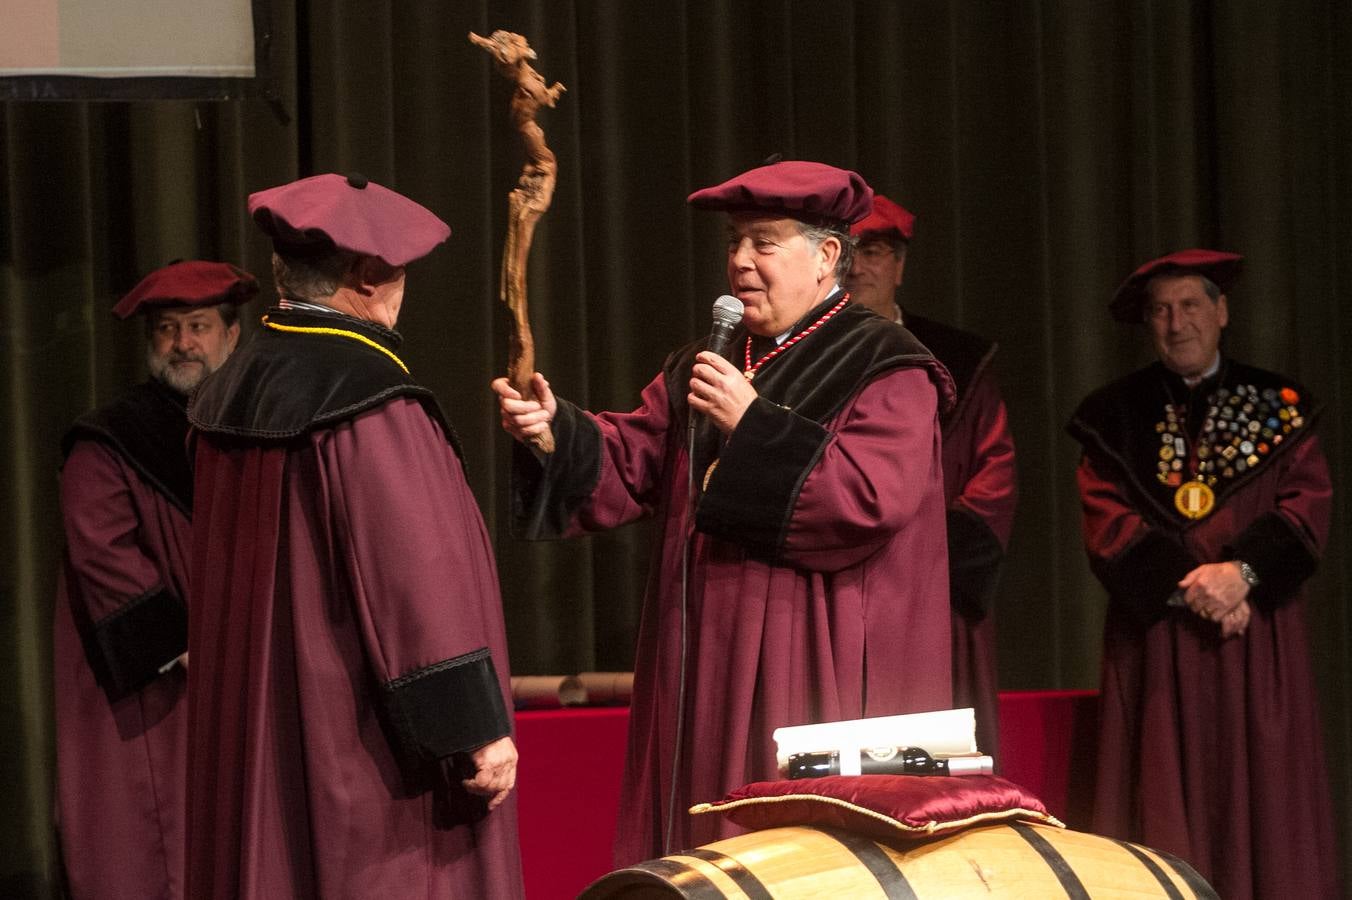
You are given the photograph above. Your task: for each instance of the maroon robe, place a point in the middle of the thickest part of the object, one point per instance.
(980, 488)
(1210, 749)
(347, 641)
(818, 577)
(119, 616)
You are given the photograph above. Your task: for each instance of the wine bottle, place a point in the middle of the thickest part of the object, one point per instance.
(886, 761)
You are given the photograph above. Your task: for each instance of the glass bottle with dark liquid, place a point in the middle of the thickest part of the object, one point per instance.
(887, 761)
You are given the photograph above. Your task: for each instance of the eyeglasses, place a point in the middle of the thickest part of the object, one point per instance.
(874, 251)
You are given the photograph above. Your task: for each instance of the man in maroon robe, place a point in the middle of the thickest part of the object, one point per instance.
(349, 733)
(1206, 506)
(817, 583)
(120, 622)
(980, 482)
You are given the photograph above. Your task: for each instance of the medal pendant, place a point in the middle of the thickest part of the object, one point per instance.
(1194, 499)
(708, 473)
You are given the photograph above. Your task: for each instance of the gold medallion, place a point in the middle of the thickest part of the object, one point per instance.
(1194, 499)
(708, 473)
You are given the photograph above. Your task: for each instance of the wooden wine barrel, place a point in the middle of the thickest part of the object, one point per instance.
(1008, 860)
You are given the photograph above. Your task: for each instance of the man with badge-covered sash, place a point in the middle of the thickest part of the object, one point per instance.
(350, 733)
(817, 585)
(1206, 502)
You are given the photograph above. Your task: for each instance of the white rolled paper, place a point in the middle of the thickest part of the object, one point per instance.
(943, 733)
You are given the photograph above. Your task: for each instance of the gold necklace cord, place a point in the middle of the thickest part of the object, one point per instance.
(302, 329)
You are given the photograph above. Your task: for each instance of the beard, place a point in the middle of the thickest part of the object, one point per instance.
(169, 369)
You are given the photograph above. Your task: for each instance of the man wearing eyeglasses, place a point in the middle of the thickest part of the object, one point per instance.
(980, 484)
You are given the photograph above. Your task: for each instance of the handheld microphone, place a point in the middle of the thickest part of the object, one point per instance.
(727, 314)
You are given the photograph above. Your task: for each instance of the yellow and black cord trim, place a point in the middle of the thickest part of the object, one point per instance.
(340, 332)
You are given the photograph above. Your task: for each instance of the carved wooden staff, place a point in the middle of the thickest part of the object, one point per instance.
(527, 202)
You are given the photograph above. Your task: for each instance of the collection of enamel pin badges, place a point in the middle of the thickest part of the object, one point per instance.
(1242, 426)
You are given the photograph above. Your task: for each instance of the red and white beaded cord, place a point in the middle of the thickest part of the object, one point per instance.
(750, 370)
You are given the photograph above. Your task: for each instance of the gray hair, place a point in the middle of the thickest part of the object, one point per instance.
(310, 278)
(1209, 287)
(817, 234)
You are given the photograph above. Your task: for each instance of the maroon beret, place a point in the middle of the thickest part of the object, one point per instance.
(348, 213)
(886, 216)
(189, 283)
(809, 191)
(1129, 302)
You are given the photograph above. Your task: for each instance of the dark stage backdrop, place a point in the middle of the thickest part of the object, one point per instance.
(1048, 148)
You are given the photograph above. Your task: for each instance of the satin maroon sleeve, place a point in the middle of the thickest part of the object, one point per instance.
(1138, 565)
(980, 481)
(881, 458)
(991, 492)
(424, 584)
(633, 457)
(1285, 546)
(101, 531)
(133, 624)
(605, 471)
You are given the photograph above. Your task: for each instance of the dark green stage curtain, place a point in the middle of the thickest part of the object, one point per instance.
(1048, 148)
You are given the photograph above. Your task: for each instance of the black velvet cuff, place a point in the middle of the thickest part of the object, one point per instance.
(752, 492)
(451, 707)
(1141, 578)
(546, 493)
(974, 556)
(1280, 559)
(127, 648)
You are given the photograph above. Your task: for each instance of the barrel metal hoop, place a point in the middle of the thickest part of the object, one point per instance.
(733, 868)
(880, 865)
(1165, 881)
(1074, 888)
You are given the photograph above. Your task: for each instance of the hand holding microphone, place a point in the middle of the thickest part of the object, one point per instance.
(718, 389)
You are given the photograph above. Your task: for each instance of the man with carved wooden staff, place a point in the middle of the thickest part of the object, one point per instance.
(349, 728)
(979, 475)
(120, 622)
(1206, 507)
(817, 586)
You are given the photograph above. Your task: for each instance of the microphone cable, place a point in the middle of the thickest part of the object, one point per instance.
(727, 314)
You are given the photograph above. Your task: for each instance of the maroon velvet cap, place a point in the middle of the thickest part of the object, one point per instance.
(188, 283)
(1222, 268)
(809, 191)
(886, 216)
(348, 213)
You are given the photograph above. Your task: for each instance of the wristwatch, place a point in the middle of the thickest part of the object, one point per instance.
(1246, 572)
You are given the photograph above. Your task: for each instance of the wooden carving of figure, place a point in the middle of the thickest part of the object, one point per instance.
(528, 201)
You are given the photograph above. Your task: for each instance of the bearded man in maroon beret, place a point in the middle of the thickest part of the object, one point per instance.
(1206, 507)
(349, 732)
(980, 482)
(120, 622)
(813, 520)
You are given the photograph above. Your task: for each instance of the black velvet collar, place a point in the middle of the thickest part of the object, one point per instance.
(1127, 423)
(818, 375)
(148, 427)
(964, 354)
(283, 384)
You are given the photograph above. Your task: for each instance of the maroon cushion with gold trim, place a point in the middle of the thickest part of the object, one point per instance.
(883, 806)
